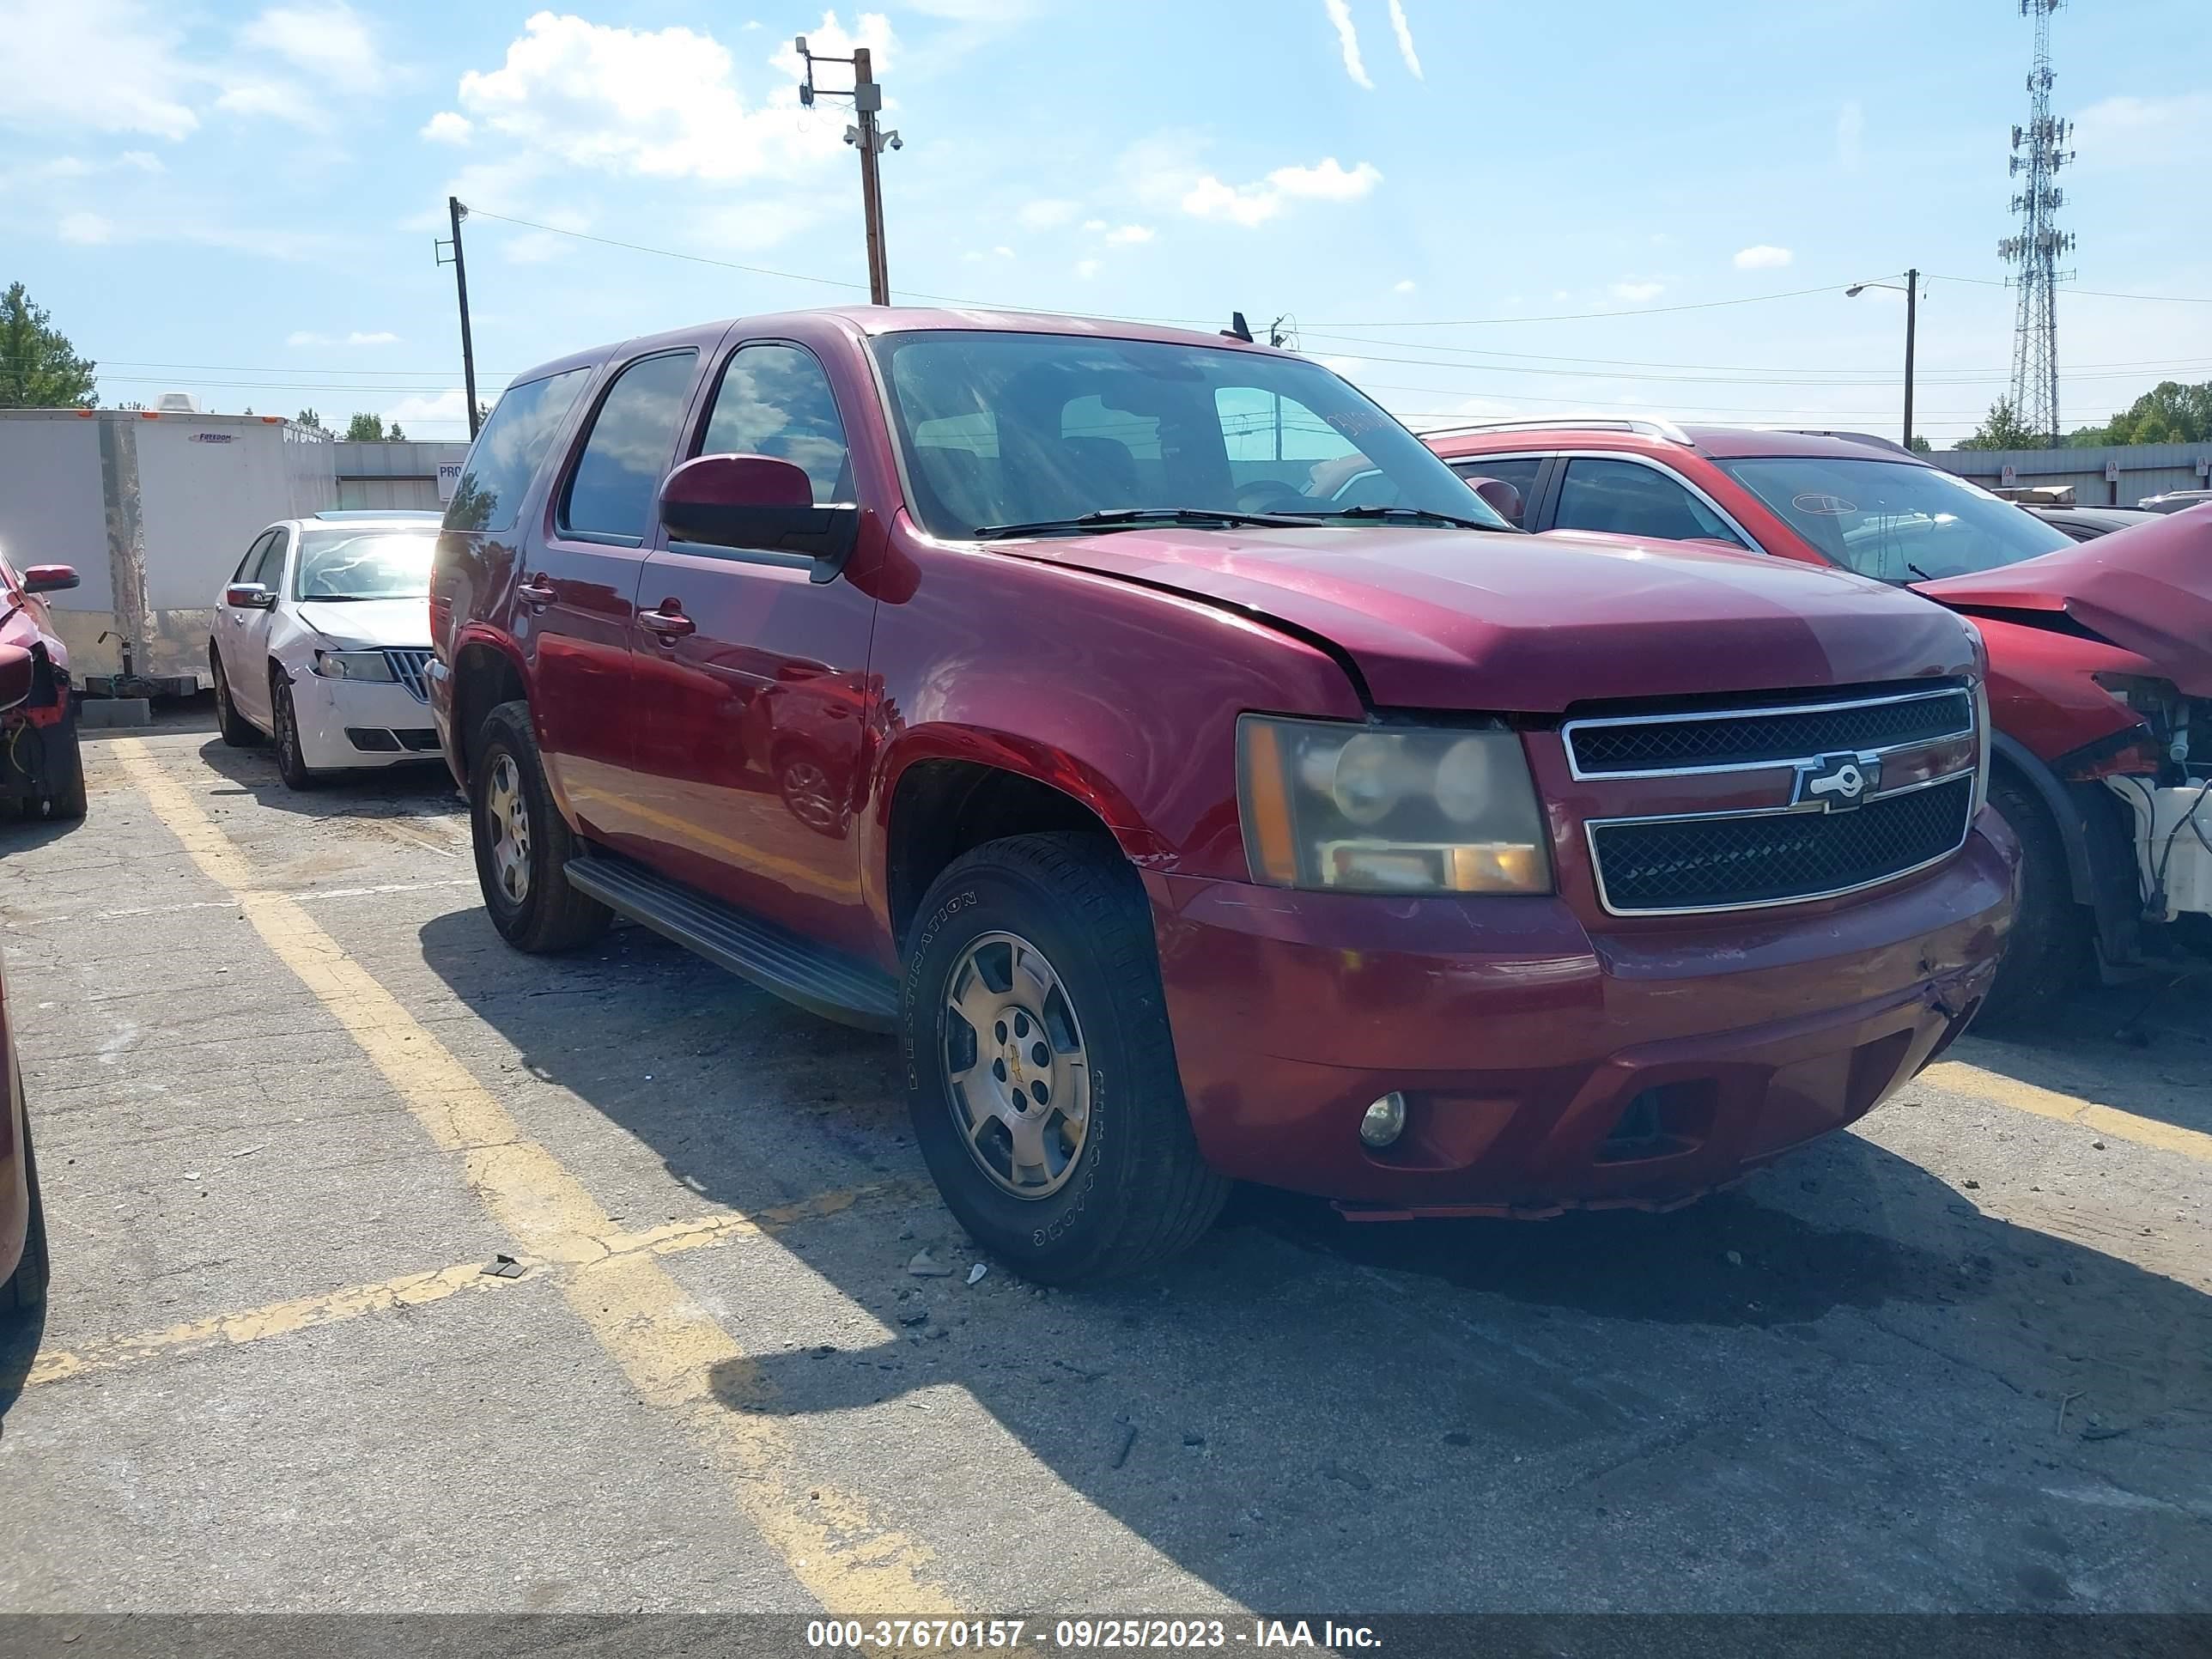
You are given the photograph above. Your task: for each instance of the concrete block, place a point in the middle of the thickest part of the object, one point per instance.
(95, 713)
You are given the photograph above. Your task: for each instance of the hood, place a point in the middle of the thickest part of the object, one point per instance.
(1530, 624)
(370, 623)
(2147, 589)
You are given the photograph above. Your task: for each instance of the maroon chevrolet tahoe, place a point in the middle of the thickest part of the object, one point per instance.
(1024, 686)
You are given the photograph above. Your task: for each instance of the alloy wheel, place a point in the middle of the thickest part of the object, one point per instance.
(508, 811)
(1017, 1071)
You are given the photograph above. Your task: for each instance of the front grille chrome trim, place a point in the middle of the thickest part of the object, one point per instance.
(408, 666)
(1591, 826)
(1568, 731)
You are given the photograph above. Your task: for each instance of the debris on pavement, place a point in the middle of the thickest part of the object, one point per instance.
(503, 1267)
(1125, 1438)
(1355, 1479)
(925, 1266)
(975, 1273)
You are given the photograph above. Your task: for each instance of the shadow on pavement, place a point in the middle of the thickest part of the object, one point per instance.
(2144, 1048)
(410, 789)
(1587, 1412)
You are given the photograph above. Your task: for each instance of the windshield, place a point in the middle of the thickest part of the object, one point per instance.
(364, 564)
(1026, 429)
(1894, 520)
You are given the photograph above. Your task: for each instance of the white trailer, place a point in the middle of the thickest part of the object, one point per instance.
(155, 507)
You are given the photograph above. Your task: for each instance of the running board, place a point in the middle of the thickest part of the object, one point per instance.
(821, 981)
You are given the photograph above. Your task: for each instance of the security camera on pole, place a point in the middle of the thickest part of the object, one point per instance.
(871, 140)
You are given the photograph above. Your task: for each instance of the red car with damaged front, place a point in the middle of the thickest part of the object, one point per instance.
(41, 768)
(1028, 687)
(2100, 652)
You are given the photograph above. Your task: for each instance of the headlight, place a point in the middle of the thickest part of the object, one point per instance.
(353, 664)
(1380, 810)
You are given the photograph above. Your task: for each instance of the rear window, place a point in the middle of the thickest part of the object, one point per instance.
(506, 453)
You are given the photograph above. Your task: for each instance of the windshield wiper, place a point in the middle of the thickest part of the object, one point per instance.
(1404, 515)
(1137, 517)
(1917, 571)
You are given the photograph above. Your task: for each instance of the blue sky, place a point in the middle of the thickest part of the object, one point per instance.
(239, 200)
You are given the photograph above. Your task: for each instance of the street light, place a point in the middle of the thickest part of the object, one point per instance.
(1910, 289)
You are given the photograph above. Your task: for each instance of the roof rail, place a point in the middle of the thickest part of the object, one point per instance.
(1657, 426)
(1836, 432)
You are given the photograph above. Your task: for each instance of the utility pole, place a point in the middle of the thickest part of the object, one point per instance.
(461, 286)
(868, 137)
(1911, 319)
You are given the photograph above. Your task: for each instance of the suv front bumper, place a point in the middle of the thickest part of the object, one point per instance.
(1545, 1068)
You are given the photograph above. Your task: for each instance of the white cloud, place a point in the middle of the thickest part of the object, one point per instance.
(1347, 40)
(279, 99)
(448, 128)
(1635, 290)
(449, 408)
(2126, 131)
(329, 41)
(1094, 224)
(1763, 256)
(143, 160)
(301, 336)
(1044, 214)
(1256, 203)
(1003, 252)
(1086, 269)
(1129, 235)
(87, 228)
(97, 65)
(1404, 31)
(1404, 287)
(1850, 134)
(660, 103)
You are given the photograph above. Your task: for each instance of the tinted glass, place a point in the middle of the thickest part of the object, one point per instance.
(269, 573)
(1519, 473)
(249, 567)
(630, 449)
(1011, 427)
(356, 564)
(1894, 520)
(508, 452)
(1631, 499)
(774, 400)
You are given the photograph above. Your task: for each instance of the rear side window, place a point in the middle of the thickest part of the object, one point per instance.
(1631, 499)
(249, 567)
(269, 573)
(506, 453)
(630, 448)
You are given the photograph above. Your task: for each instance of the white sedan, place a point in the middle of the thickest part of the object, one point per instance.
(321, 640)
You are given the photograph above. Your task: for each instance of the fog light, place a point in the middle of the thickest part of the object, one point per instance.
(1384, 1120)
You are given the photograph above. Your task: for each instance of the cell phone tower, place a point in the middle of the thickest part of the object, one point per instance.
(2039, 150)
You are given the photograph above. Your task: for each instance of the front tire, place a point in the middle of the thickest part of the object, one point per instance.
(291, 761)
(26, 1288)
(1032, 962)
(2051, 950)
(238, 732)
(523, 845)
(61, 780)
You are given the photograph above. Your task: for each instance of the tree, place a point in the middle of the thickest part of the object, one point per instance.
(365, 429)
(1921, 445)
(2004, 429)
(39, 367)
(312, 421)
(392, 433)
(2169, 413)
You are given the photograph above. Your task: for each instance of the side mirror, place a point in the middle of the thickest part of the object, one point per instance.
(758, 503)
(17, 671)
(1502, 498)
(49, 578)
(248, 596)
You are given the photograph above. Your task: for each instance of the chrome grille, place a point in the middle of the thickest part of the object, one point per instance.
(1730, 861)
(1646, 745)
(411, 668)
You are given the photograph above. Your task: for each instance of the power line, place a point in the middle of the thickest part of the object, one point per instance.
(2096, 293)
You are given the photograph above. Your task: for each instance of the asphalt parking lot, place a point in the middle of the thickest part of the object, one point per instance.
(394, 1270)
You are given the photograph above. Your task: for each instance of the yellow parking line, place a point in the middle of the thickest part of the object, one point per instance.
(672, 1350)
(420, 1288)
(2045, 1103)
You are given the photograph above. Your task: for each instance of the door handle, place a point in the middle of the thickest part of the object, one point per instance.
(670, 625)
(535, 593)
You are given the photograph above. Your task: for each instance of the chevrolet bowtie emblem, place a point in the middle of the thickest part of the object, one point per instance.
(1837, 782)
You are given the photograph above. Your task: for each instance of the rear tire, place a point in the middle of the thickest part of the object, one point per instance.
(1134, 1191)
(61, 783)
(238, 732)
(2051, 950)
(523, 844)
(26, 1288)
(291, 762)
